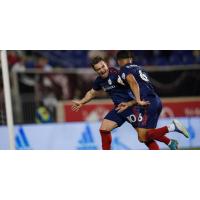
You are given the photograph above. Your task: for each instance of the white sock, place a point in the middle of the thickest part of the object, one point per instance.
(171, 127)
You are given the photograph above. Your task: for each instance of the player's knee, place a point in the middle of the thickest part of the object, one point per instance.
(108, 125)
(142, 135)
(142, 139)
(105, 128)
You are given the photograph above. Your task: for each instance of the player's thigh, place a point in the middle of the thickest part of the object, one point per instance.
(112, 120)
(134, 117)
(131, 116)
(108, 125)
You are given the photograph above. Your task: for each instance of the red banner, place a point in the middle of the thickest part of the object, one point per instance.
(90, 112)
(96, 110)
(181, 107)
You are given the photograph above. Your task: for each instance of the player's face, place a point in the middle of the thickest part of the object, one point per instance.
(102, 69)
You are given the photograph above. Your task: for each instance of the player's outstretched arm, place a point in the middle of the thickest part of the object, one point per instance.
(91, 94)
(136, 90)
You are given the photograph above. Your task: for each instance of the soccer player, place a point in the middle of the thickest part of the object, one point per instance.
(109, 81)
(135, 78)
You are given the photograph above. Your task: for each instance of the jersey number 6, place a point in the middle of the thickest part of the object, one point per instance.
(143, 76)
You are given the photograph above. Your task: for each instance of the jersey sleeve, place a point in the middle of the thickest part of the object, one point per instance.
(126, 71)
(96, 85)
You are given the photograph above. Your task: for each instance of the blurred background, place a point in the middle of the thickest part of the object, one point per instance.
(43, 83)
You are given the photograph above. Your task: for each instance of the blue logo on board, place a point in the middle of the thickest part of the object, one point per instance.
(87, 142)
(21, 140)
(191, 130)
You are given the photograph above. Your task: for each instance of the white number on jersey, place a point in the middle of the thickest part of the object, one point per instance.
(143, 76)
(132, 118)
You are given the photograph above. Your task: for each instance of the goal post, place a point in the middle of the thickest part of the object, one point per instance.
(8, 102)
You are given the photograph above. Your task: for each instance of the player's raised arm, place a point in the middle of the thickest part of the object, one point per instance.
(91, 94)
(124, 58)
(136, 90)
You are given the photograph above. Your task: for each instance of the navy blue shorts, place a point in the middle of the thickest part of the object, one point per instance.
(120, 118)
(137, 116)
(151, 114)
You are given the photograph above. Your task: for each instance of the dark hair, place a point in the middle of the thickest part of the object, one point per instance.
(123, 54)
(96, 60)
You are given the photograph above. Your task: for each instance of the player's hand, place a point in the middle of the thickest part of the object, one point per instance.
(143, 103)
(122, 107)
(76, 105)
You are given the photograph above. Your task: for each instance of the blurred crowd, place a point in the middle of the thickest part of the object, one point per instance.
(47, 60)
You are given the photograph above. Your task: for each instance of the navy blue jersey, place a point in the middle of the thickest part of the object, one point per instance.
(145, 85)
(114, 87)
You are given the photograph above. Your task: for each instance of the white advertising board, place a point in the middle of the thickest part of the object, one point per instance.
(85, 136)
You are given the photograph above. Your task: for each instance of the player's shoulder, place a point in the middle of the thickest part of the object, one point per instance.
(132, 67)
(113, 70)
(129, 69)
(98, 79)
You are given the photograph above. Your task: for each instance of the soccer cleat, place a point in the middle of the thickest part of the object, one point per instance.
(173, 145)
(180, 128)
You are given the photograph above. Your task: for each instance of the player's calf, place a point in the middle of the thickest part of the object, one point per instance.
(152, 145)
(106, 139)
(155, 134)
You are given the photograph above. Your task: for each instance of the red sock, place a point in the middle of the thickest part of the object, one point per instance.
(156, 134)
(106, 139)
(164, 139)
(152, 145)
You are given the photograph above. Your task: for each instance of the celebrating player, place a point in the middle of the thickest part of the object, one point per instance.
(138, 81)
(109, 81)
